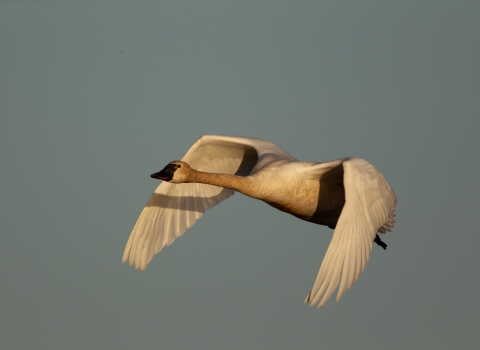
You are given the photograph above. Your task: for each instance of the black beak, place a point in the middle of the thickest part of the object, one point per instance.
(159, 176)
(166, 174)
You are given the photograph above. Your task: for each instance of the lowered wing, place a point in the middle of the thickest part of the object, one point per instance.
(369, 205)
(173, 208)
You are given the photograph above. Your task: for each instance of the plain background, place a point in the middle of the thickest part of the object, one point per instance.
(95, 96)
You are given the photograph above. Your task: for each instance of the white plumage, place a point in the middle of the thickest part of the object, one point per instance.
(348, 194)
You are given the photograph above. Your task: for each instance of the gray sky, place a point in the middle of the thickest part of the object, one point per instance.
(96, 96)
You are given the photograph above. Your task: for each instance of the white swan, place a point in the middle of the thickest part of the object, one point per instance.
(347, 194)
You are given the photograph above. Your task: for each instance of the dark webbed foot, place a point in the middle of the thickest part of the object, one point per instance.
(380, 242)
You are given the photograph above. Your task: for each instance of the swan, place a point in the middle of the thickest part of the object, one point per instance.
(348, 195)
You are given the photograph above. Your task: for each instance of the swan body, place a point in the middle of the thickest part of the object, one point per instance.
(347, 194)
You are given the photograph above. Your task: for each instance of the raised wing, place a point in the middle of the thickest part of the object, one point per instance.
(173, 208)
(369, 205)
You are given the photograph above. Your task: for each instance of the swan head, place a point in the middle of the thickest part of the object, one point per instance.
(175, 172)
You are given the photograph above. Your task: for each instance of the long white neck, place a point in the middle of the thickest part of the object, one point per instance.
(241, 184)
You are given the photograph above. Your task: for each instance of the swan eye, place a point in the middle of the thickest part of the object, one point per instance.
(178, 166)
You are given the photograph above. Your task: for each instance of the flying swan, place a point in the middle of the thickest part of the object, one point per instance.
(348, 195)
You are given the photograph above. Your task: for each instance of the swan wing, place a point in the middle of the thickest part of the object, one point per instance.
(173, 208)
(369, 205)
